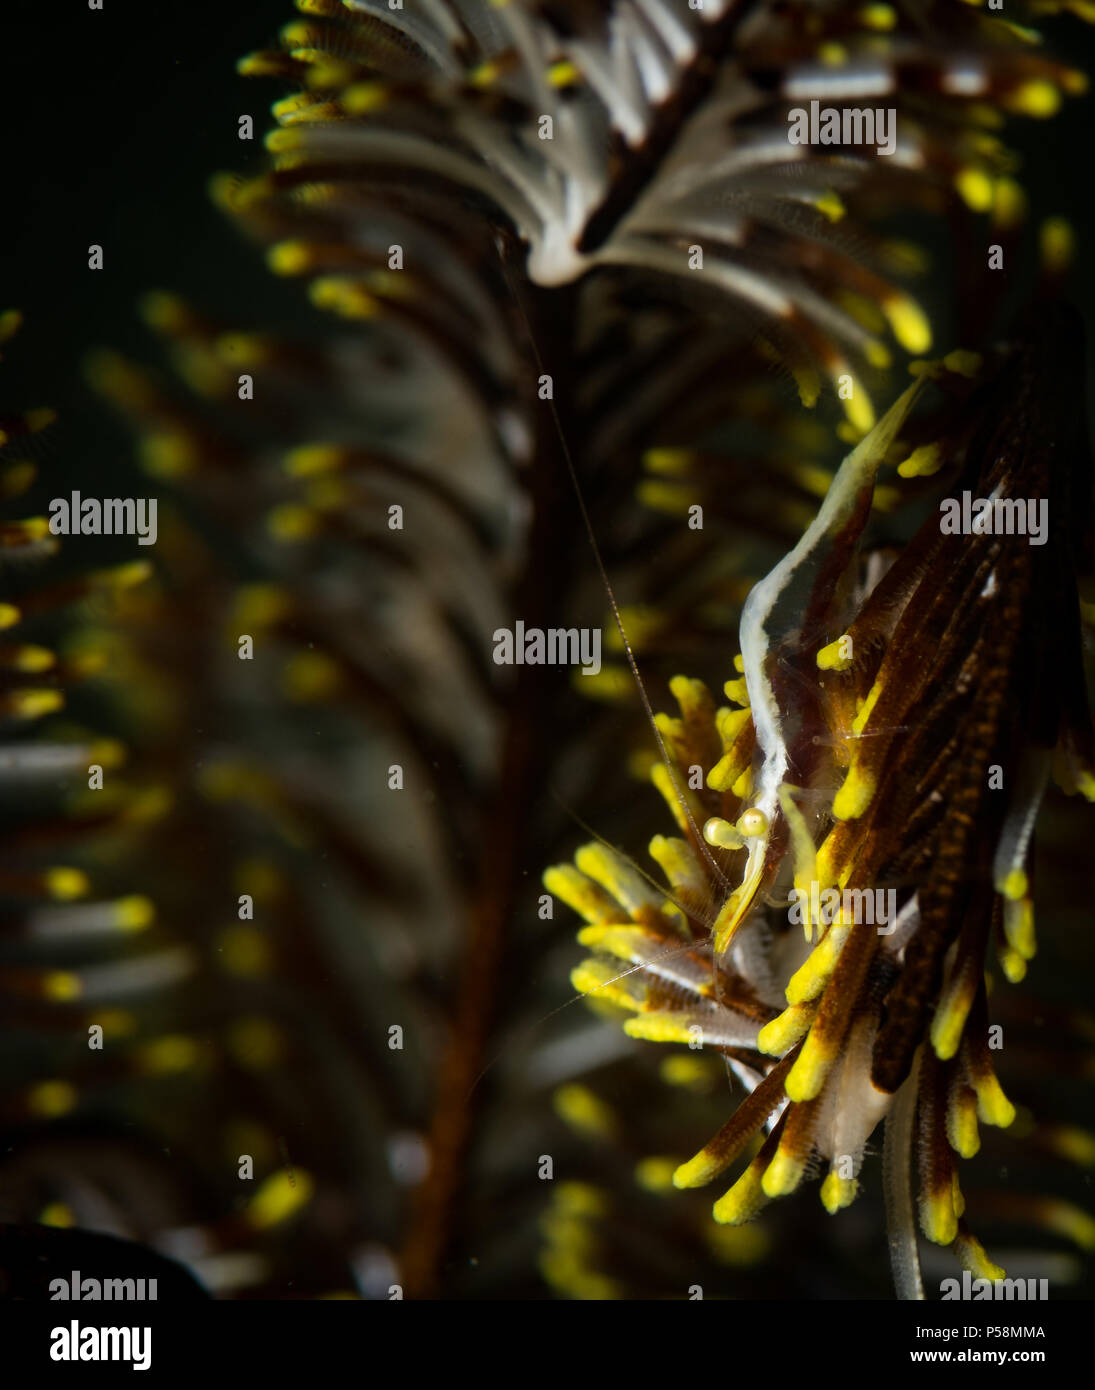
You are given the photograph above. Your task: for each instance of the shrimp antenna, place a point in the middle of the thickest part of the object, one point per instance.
(603, 572)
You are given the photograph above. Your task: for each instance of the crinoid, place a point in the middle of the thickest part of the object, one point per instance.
(567, 271)
(622, 185)
(873, 788)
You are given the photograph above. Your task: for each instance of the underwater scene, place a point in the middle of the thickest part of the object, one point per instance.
(547, 589)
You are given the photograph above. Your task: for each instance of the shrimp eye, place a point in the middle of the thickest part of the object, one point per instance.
(752, 823)
(721, 833)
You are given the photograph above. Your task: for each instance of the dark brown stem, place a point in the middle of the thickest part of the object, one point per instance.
(505, 825)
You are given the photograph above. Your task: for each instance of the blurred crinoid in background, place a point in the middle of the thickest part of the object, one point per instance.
(563, 243)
